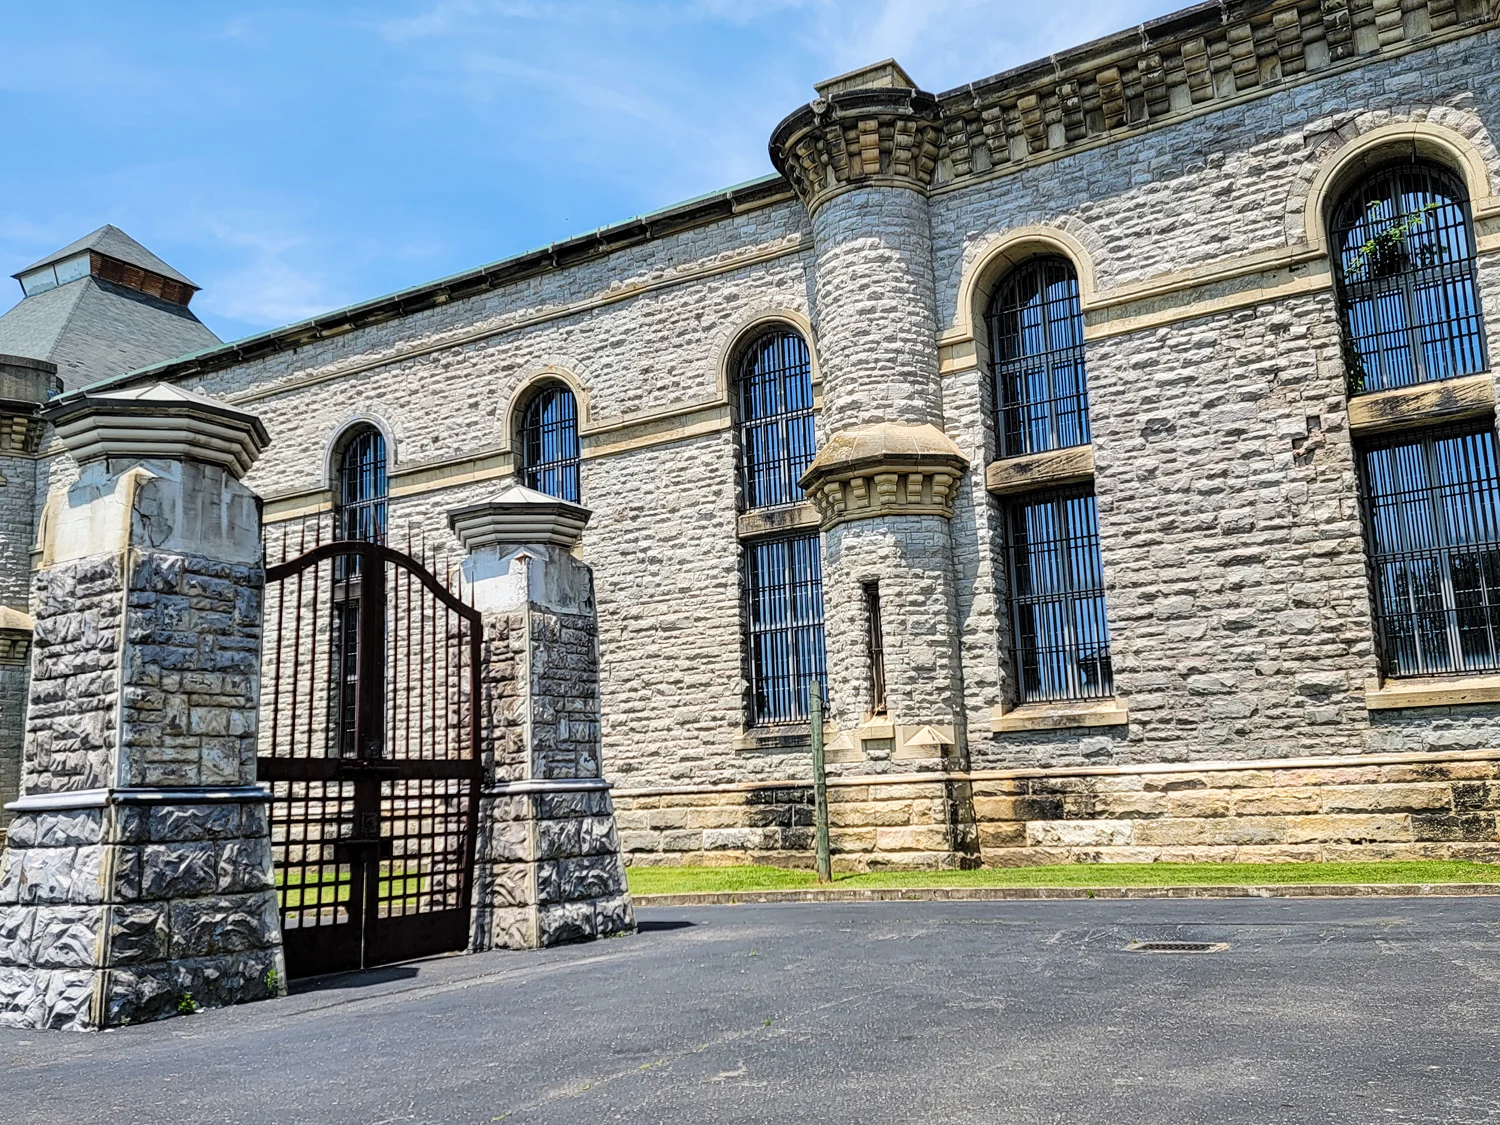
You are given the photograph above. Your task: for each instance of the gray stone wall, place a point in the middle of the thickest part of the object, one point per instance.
(1232, 547)
(190, 685)
(875, 310)
(131, 913)
(75, 668)
(14, 679)
(17, 528)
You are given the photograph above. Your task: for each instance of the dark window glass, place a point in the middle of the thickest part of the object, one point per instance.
(1036, 346)
(1404, 259)
(549, 443)
(1057, 598)
(784, 621)
(777, 442)
(1433, 509)
(362, 488)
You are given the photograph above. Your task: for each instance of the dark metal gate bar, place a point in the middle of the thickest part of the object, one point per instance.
(369, 740)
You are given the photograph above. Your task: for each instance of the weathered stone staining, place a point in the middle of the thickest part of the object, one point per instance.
(549, 862)
(136, 882)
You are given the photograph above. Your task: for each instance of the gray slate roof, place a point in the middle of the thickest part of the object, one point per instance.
(93, 329)
(112, 242)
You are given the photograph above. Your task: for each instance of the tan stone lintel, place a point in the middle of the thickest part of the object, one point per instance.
(1449, 400)
(1060, 716)
(1011, 475)
(1190, 299)
(776, 521)
(1331, 761)
(1445, 691)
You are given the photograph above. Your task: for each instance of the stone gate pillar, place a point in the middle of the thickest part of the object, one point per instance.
(549, 864)
(861, 157)
(137, 883)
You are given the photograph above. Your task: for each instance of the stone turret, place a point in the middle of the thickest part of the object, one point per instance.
(861, 156)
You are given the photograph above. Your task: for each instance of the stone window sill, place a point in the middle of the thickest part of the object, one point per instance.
(802, 516)
(1059, 716)
(1448, 691)
(1451, 400)
(1033, 471)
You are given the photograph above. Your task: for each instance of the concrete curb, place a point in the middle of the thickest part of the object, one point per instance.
(1008, 894)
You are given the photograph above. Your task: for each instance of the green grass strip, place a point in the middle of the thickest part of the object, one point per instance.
(691, 880)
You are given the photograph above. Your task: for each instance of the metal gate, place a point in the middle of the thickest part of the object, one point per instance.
(368, 742)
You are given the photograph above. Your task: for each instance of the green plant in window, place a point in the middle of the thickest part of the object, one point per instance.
(1385, 253)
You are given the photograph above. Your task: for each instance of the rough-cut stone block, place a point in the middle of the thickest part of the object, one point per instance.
(1074, 834)
(1352, 828)
(564, 922)
(1387, 798)
(178, 870)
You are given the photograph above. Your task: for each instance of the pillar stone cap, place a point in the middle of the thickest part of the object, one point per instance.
(519, 515)
(884, 469)
(158, 421)
(16, 621)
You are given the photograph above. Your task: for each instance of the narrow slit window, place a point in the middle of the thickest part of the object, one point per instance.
(1057, 598)
(1432, 506)
(362, 488)
(784, 624)
(549, 443)
(1404, 262)
(1036, 346)
(777, 439)
(875, 647)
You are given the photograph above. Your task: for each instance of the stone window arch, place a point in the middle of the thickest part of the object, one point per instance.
(550, 454)
(1035, 325)
(775, 417)
(1402, 244)
(361, 485)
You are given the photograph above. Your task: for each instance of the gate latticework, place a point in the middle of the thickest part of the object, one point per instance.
(369, 743)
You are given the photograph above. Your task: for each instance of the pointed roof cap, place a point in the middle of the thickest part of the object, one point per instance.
(519, 515)
(110, 241)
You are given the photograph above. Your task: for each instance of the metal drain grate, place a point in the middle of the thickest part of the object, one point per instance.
(1177, 946)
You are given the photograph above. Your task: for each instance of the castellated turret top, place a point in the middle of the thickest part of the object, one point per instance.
(869, 127)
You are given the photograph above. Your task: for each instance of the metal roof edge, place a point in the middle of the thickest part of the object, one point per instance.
(586, 246)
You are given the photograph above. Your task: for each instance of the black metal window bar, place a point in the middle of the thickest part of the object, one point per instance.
(777, 441)
(360, 515)
(362, 489)
(1057, 598)
(1432, 504)
(1036, 344)
(875, 645)
(1405, 268)
(784, 622)
(549, 443)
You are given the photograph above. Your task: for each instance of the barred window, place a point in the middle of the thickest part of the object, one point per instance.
(1404, 264)
(362, 489)
(777, 442)
(359, 515)
(549, 443)
(1057, 598)
(1036, 348)
(1432, 503)
(784, 621)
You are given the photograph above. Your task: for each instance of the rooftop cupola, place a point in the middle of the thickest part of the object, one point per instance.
(111, 254)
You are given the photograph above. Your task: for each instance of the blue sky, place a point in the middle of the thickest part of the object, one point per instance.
(291, 159)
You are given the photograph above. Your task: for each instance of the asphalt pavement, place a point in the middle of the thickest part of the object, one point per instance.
(1022, 1013)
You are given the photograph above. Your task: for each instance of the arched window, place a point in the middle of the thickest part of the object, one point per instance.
(777, 442)
(1036, 348)
(361, 495)
(1403, 246)
(549, 443)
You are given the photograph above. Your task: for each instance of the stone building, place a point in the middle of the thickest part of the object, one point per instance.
(1115, 438)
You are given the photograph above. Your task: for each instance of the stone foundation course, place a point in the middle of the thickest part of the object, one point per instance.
(1374, 807)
